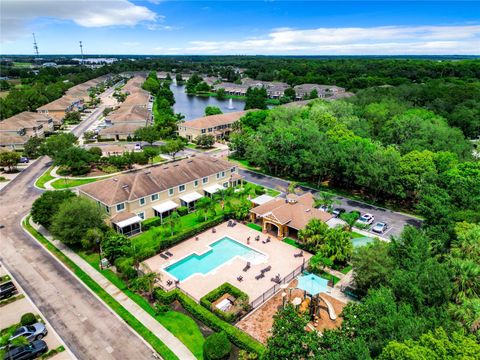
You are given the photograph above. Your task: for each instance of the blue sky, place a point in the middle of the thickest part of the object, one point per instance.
(241, 27)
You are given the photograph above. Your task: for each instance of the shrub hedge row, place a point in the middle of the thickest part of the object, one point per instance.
(215, 294)
(235, 335)
(175, 239)
(152, 222)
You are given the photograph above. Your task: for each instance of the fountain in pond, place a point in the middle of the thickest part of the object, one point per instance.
(230, 104)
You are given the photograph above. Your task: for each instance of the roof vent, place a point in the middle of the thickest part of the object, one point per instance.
(308, 210)
(148, 172)
(125, 186)
(189, 161)
(115, 179)
(165, 168)
(175, 165)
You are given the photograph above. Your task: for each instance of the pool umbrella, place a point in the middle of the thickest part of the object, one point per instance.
(312, 284)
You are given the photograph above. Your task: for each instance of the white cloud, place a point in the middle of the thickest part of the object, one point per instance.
(464, 39)
(17, 14)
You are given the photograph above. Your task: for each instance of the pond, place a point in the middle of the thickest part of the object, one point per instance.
(193, 107)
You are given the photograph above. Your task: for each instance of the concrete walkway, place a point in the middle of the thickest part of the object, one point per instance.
(180, 350)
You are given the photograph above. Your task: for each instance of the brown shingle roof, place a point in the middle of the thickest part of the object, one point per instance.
(121, 129)
(135, 113)
(140, 97)
(295, 215)
(10, 139)
(143, 183)
(60, 104)
(23, 120)
(214, 120)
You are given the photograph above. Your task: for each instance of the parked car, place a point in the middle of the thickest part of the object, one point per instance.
(366, 219)
(338, 211)
(27, 352)
(36, 331)
(323, 208)
(380, 227)
(138, 147)
(24, 160)
(7, 290)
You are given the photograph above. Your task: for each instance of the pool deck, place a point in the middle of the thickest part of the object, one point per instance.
(279, 256)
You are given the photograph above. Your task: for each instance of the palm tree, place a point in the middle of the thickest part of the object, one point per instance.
(468, 314)
(326, 199)
(203, 206)
(220, 196)
(466, 280)
(150, 280)
(350, 218)
(172, 221)
(291, 187)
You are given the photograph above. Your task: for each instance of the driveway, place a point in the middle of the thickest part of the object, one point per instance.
(395, 220)
(86, 325)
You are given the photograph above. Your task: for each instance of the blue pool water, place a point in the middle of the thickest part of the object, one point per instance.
(361, 241)
(312, 284)
(222, 251)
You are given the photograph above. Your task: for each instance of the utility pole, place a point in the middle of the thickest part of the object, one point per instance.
(35, 46)
(81, 50)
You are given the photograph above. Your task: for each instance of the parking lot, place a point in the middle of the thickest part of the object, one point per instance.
(11, 313)
(396, 221)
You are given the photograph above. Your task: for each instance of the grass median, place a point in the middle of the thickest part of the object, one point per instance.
(146, 334)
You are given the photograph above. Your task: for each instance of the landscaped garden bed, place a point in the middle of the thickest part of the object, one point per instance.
(235, 300)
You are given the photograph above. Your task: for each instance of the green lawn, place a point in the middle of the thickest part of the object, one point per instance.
(328, 276)
(69, 183)
(180, 325)
(292, 242)
(154, 341)
(44, 178)
(346, 269)
(354, 235)
(254, 226)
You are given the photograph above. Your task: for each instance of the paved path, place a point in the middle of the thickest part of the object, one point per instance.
(153, 325)
(396, 221)
(86, 325)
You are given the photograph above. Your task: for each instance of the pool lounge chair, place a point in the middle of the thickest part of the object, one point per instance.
(169, 282)
(300, 254)
(163, 256)
(247, 267)
(168, 253)
(240, 278)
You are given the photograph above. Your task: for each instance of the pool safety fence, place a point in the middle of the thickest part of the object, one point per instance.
(277, 287)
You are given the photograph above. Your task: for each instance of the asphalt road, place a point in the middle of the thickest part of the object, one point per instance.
(396, 221)
(86, 325)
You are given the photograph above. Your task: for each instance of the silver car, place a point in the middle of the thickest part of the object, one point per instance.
(32, 332)
(380, 227)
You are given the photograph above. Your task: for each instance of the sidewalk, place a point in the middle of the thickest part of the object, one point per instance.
(180, 350)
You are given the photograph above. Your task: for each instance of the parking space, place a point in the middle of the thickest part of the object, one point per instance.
(11, 313)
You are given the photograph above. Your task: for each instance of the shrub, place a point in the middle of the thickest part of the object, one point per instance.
(215, 294)
(182, 210)
(152, 222)
(216, 347)
(124, 266)
(259, 190)
(28, 319)
(235, 335)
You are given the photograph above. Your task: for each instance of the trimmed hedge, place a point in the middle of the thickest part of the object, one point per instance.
(175, 239)
(28, 319)
(235, 335)
(217, 347)
(152, 222)
(215, 294)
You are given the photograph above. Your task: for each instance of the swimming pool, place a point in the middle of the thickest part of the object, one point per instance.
(312, 284)
(221, 251)
(361, 241)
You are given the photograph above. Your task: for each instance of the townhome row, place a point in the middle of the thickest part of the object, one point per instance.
(157, 191)
(16, 130)
(217, 125)
(134, 113)
(73, 100)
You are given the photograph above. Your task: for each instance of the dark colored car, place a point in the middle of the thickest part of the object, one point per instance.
(24, 160)
(32, 332)
(7, 290)
(338, 211)
(27, 352)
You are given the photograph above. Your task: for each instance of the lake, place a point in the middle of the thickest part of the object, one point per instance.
(193, 107)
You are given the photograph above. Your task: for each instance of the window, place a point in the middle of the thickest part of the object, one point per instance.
(141, 201)
(203, 131)
(233, 169)
(181, 188)
(107, 209)
(225, 185)
(218, 175)
(209, 129)
(154, 197)
(195, 183)
(170, 192)
(121, 207)
(223, 174)
(205, 180)
(141, 215)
